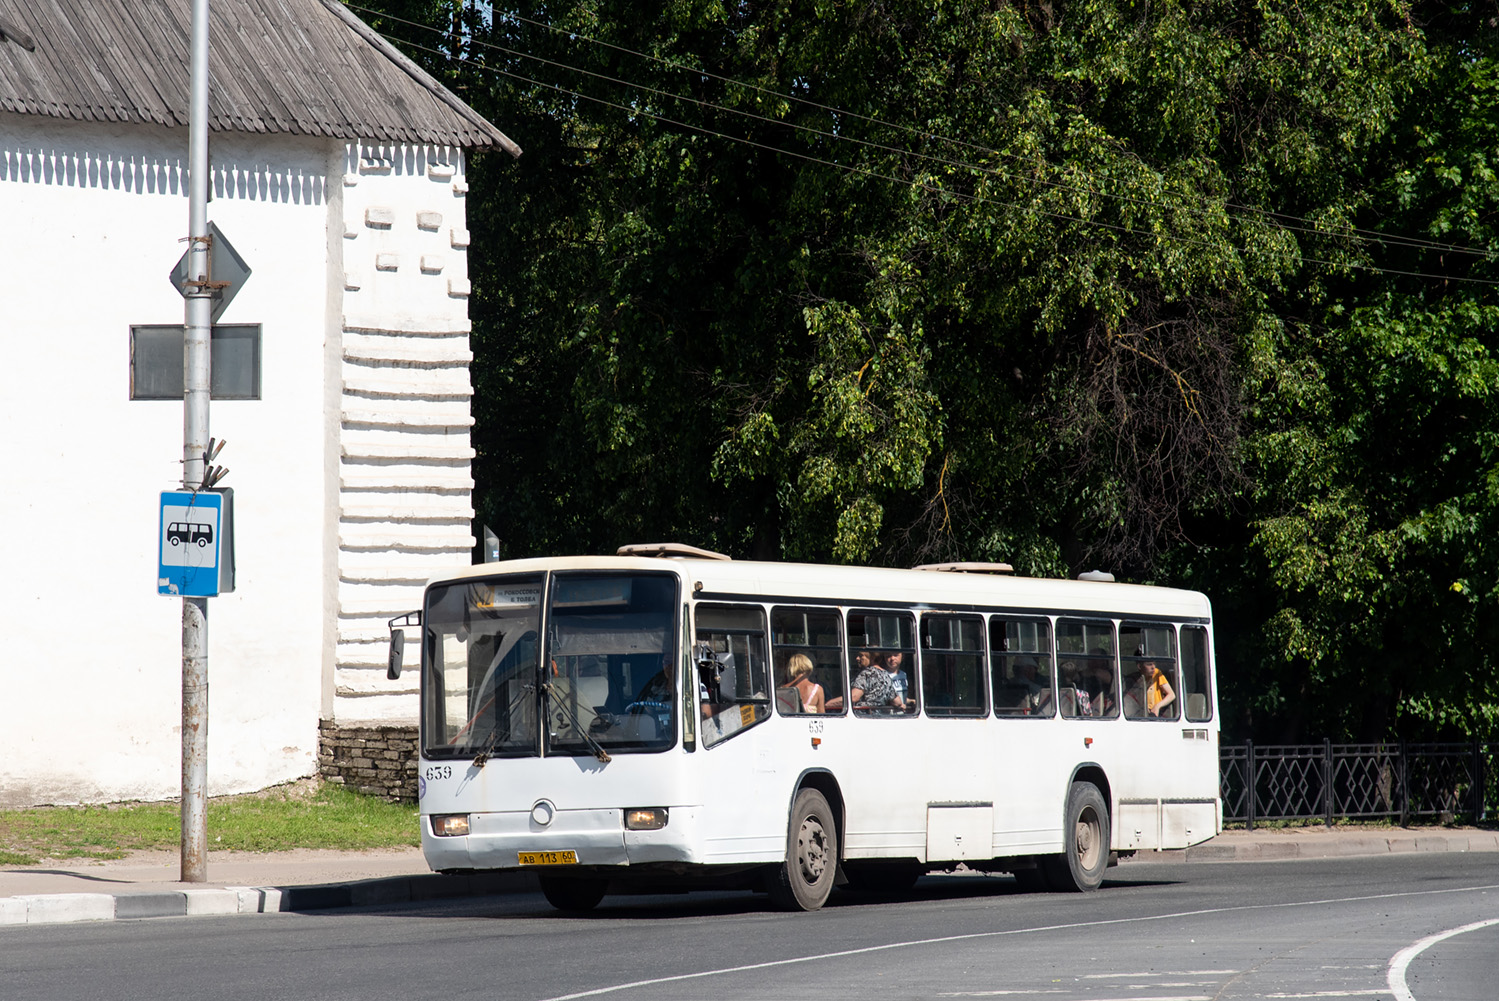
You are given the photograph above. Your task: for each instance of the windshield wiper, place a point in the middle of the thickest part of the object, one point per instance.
(494, 737)
(593, 745)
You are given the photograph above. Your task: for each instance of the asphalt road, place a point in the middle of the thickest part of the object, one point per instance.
(1328, 928)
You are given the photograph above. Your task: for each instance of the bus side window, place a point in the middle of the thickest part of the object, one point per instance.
(952, 665)
(1088, 684)
(732, 670)
(817, 635)
(1147, 657)
(1020, 651)
(882, 641)
(1195, 674)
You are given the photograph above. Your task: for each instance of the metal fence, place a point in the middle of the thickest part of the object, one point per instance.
(1329, 782)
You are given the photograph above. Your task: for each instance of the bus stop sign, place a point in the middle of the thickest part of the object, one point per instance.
(196, 543)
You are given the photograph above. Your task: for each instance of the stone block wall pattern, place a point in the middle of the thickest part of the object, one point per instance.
(373, 760)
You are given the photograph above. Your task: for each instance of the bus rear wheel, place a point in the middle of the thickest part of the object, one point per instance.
(804, 880)
(575, 894)
(1085, 837)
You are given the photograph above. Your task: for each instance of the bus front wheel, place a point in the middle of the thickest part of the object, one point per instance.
(804, 880)
(577, 894)
(1085, 838)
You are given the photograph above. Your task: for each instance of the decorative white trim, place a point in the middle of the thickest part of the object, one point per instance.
(387, 262)
(428, 220)
(379, 217)
(432, 264)
(430, 453)
(418, 353)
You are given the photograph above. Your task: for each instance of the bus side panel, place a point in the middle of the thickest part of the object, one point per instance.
(1034, 760)
(745, 786)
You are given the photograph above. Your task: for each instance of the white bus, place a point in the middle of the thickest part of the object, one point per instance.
(647, 720)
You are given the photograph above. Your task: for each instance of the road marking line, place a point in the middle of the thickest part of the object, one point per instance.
(971, 936)
(1333, 994)
(995, 994)
(1403, 958)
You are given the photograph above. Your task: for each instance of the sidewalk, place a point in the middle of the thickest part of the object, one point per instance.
(145, 885)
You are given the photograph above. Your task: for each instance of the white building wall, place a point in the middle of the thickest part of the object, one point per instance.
(350, 473)
(405, 487)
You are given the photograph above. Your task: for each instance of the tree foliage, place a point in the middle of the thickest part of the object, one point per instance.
(1154, 287)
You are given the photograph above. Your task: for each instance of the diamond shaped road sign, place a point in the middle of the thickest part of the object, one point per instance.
(224, 265)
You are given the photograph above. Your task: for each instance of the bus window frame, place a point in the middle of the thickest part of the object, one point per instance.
(1177, 705)
(1207, 672)
(1051, 709)
(913, 673)
(775, 647)
(1113, 656)
(702, 722)
(983, 657)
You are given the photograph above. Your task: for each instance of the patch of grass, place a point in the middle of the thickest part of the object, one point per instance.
(303, 815)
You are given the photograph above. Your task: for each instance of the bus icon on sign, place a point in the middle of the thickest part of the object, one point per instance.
(182, 533)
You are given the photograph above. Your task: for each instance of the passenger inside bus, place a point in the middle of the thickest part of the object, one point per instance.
(1032, 695)
(1158, 693)
(895, 665)
(874, 687)
(1076, 701)
(810, 693)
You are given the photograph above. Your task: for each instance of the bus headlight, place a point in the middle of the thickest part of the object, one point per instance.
(646, 819)
(450, 825)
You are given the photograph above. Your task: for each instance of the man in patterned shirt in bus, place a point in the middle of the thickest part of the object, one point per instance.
(874, 687)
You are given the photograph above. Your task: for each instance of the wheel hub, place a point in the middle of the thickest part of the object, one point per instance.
(812, 849)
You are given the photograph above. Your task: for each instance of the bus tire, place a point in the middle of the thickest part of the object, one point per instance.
(575, 894)
(1085, 839)
(804, 880)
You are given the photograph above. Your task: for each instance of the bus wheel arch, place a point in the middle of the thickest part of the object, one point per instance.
(1086, 833)
(805, 879)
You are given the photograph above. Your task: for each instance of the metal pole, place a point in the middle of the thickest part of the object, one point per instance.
(196, 366)
(1327, 794)
(1252, 779)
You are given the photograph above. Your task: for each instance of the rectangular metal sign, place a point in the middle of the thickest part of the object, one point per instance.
(196, 543)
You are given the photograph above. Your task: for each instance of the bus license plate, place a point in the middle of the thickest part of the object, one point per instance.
(548, 858)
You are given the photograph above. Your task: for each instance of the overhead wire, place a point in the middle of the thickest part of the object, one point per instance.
(1289, 221)
(638, 110)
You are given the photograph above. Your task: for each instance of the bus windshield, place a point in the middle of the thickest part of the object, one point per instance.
(480, 658)
(611, 676)
(614, 667)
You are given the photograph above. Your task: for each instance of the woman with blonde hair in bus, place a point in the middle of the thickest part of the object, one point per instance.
(799, 667)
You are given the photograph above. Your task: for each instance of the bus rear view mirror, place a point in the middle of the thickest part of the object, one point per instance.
(397, 649)
(398, 626)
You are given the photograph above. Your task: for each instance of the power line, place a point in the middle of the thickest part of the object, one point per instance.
(636, 110)
(1309, 227)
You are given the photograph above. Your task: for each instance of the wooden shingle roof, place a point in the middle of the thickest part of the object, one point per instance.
(305, 67)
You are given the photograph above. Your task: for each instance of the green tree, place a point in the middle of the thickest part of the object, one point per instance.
(1064, 284)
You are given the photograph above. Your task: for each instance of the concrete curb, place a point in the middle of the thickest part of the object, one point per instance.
(62, 908)
(1280, 847)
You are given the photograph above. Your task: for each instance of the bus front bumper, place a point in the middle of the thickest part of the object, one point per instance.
(510, 840)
